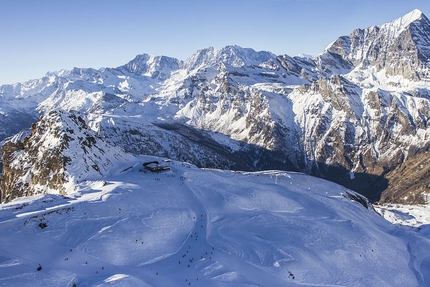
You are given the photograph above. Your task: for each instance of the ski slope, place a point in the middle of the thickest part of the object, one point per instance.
(194, 227)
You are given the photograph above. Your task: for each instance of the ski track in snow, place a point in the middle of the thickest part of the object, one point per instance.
(192, 227)
(224, 262)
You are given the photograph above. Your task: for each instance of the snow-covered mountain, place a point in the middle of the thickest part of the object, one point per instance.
(82, 207)
(193, 227)
(401, 47)
(351, 114)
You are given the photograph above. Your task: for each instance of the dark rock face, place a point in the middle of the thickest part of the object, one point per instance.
(60, 149)
(409, 182)
(27, 163)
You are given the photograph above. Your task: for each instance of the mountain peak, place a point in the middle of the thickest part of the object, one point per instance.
(152, 66)
(397, 26)
(233, 55)
(412, 16)
(389, 46)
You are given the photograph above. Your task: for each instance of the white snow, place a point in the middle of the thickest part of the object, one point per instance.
(394, 28)
(409, 215)
(269, 228)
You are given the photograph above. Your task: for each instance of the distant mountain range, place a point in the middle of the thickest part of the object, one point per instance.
(356, 114)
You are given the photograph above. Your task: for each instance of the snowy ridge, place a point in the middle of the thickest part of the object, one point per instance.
(151, 66)
(394, 28)
(398, 47)
(233, 55)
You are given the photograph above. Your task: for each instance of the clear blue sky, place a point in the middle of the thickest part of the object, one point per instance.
(38, 36)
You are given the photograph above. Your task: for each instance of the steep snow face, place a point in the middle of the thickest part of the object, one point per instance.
(206, 228)
(395, 28)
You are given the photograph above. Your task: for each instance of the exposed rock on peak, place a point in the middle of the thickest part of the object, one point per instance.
(59, 151)
(400, 47)
(234, 56)
(158, 67)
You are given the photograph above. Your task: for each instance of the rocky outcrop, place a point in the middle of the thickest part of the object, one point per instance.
(59, 151)
(28, 164)
(399, 47)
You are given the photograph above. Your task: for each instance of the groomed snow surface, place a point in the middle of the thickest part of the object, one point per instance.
(193, 227)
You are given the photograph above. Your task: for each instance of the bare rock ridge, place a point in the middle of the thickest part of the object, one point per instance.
(357, 114)
(58, 150)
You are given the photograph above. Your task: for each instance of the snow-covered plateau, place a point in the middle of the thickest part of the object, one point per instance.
(192, 227)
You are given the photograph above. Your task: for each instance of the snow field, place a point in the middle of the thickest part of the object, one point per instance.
(206, 228)
(409, 215)
(313, 237)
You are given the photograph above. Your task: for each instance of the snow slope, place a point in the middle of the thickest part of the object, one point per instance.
(409, 215)
(188, 226)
